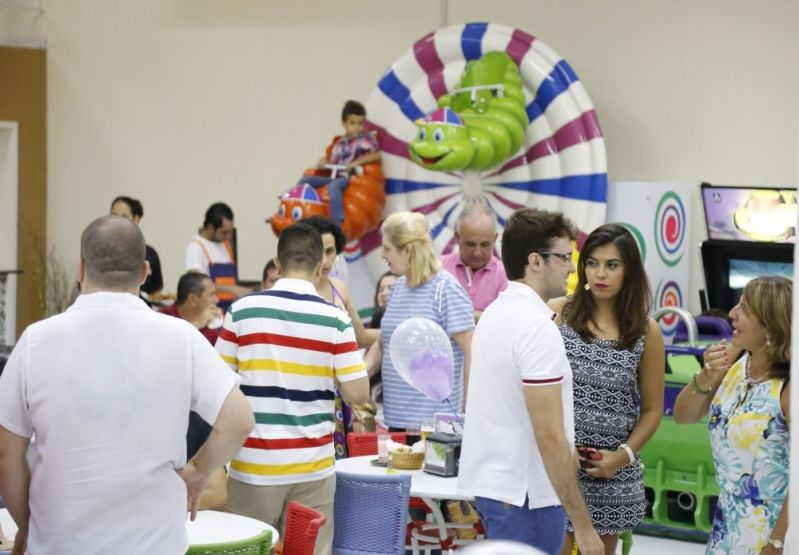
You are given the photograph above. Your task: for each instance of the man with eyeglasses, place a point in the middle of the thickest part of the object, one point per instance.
(517, 458)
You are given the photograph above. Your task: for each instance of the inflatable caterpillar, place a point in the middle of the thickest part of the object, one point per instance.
(560, 165)
(488, 123)
(364, 199)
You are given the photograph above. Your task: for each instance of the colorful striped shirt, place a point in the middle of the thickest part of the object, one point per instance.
(441, 299)
(288, 345)
(346, 150)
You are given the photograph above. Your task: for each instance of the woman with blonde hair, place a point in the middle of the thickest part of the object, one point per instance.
(423, 290)
(747, 402)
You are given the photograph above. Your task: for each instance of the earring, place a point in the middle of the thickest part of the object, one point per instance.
(768, 341)
(587, 287)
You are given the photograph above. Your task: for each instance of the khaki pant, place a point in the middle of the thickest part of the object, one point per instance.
(269, 503)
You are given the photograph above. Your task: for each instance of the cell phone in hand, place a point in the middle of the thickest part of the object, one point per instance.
(590, 453)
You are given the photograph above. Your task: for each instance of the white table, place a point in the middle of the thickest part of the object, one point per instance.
(429, 488)
(209, 527)
(216, 527)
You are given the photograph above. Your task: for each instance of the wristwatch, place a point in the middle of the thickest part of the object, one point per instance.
(775, 543)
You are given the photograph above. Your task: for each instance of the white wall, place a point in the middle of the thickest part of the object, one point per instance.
(185, 102)
(20, 24)
(9, 186)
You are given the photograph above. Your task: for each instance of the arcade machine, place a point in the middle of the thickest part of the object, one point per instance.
(750, 233)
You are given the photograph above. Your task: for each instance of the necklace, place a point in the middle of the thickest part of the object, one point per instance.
(747, 377)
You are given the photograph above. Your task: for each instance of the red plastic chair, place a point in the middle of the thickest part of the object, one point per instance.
(360, 444)
(302, 528)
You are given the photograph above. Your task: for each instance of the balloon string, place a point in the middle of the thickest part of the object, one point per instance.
(458, 418)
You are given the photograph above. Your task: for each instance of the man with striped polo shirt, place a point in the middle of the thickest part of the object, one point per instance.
(290, 347)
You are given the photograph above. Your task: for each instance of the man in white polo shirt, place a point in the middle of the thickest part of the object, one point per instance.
(107, 387)
(517, 458)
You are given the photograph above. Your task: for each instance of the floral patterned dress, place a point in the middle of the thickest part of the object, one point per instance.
(749, 439)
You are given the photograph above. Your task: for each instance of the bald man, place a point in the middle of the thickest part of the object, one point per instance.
(474, 264)
(107, 387)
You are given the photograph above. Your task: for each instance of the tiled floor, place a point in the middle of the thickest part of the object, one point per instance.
(650, 545)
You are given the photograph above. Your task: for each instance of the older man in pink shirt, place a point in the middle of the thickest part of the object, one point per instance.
(474, 264)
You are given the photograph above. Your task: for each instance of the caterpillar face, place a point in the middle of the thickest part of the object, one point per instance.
(490, 103)
(440, 146)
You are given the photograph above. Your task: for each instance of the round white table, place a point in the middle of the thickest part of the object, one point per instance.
(210, 527)
(428, 487)
(216, 527)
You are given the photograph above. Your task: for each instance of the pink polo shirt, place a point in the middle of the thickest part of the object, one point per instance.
(484, 285)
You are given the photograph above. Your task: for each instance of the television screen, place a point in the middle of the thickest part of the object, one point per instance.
(742, 271)
(729, 265)
(750, 214)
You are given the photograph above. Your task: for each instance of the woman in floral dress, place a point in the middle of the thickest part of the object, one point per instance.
(747, 402)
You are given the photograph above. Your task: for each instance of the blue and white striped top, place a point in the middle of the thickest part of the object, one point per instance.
(441, 299)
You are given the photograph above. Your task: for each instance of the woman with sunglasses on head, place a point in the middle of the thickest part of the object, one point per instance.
(617, 357)
(747, 402)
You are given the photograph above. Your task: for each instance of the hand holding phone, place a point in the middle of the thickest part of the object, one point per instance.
(590, 453)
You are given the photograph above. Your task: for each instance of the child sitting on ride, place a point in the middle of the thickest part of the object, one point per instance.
(355, 148)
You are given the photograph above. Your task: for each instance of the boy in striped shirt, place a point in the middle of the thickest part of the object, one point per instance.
(290, 347)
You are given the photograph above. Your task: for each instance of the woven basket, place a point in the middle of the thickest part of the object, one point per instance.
(406, 461)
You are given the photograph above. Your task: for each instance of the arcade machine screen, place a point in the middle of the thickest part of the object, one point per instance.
(750, 233)
(743, 271)
(750, 214)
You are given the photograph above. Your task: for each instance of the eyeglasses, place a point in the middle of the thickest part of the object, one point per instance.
(565, 257)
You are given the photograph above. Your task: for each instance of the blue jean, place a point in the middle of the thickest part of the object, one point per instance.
(335, 188)
(542, 528)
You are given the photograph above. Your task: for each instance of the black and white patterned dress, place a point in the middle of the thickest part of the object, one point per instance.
(606, 408)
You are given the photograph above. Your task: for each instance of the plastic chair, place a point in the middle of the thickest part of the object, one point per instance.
(462, 527)
(709, 328)
(370, 514)
(302, 528)
(360, 444)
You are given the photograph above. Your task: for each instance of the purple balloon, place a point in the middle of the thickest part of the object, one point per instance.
(431, 373)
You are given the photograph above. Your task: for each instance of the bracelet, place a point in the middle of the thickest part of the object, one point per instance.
(696, 387)
(629, 451)
(776, 544)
